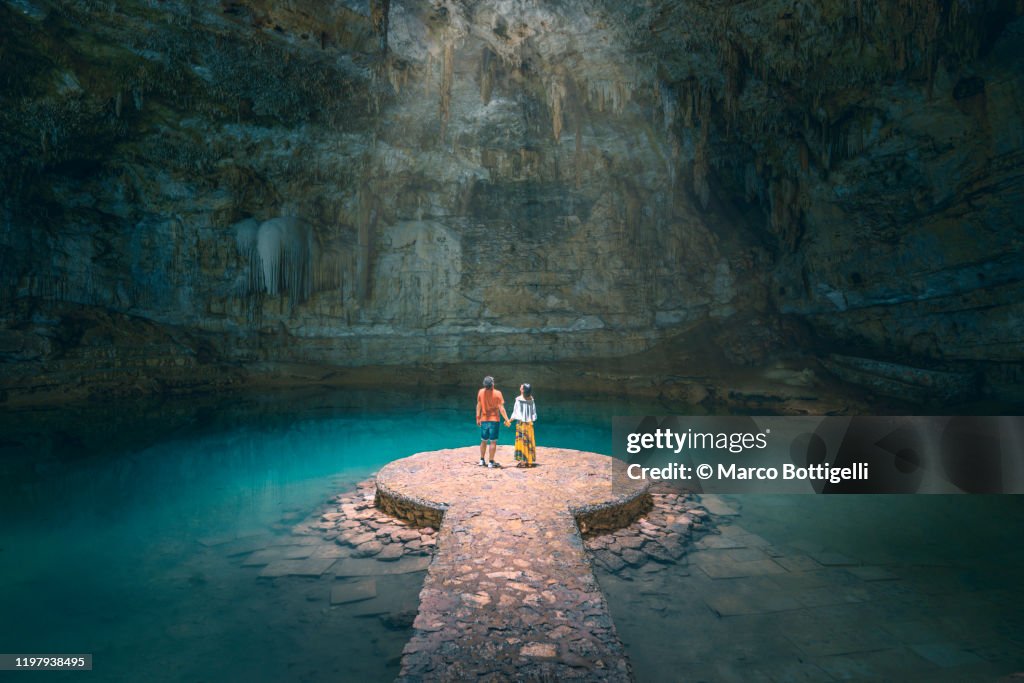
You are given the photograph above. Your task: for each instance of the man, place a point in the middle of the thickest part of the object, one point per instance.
(490, 404)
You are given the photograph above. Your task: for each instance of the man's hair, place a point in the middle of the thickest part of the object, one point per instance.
(488, 381)
(527, 389)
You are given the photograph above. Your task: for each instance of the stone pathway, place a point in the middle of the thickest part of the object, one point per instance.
(510, 593)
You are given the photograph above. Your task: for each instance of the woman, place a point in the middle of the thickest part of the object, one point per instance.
(525, 412)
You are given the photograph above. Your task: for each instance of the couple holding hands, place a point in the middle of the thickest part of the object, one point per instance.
(490, 405)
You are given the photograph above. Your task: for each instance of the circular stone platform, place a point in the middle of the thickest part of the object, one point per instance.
(510, 594)
(593, 487)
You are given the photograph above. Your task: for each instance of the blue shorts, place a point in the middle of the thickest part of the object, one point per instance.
(488, 431)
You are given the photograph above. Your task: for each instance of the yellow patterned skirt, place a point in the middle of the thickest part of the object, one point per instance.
(526, 449)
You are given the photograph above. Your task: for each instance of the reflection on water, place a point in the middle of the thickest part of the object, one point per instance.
(115, 518)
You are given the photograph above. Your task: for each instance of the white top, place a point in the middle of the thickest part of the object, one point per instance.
(525, 410)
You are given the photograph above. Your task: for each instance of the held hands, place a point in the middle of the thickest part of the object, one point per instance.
(508, 423)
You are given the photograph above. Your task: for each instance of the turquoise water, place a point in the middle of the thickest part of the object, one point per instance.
(118, 523)
(124, 531)
(835, 588)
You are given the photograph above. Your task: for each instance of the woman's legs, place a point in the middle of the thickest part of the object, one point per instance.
(520, 450)
(525, 444)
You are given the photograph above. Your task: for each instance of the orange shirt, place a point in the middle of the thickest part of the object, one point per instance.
(488, 401)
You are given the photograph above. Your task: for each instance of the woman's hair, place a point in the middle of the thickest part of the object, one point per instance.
(527, 389)
(488, 381)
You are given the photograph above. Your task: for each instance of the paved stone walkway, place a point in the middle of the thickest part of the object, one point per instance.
(510, 594)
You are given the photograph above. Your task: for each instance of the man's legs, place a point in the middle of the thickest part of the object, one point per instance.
(488, 433)
(485, 436)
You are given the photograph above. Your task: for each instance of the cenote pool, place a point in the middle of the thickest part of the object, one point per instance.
(127, 527)
(875, 588)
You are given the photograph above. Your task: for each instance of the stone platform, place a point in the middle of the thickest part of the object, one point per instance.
(510, 594)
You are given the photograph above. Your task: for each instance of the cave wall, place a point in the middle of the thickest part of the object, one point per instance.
(457, 195)
(882, 144)
(359, 183)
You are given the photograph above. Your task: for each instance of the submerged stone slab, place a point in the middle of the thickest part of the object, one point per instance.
(297, 552)
(374, 567)
(723, 542)
(727, 604)
(244, 546)
(728, 569)
(355, 591)
(390, 553)
(510, 594)
(717, 506)
(334, 551)
(798, 563)
(314, 566)
(262, 558)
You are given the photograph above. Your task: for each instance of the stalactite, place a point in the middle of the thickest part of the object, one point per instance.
(398, 73)
(751, 183)
(700, 171)
(701, 188)
(556, 95)
(487, 67)
(367, 224)
(429, 71)
(607, 95)
(677, 153)
(669, 105)
(447, 71)
(732, 65)
(269, 247)
(330, 270)
(578, 159)
(784, 211)
(246, 238)
(826, 147)
(280, 252)
(379, 14)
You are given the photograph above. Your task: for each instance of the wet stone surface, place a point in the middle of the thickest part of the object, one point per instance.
(510, 592)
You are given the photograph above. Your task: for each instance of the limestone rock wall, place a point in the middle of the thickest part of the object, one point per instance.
(880, 144)
(351, 183)
(250, 170)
